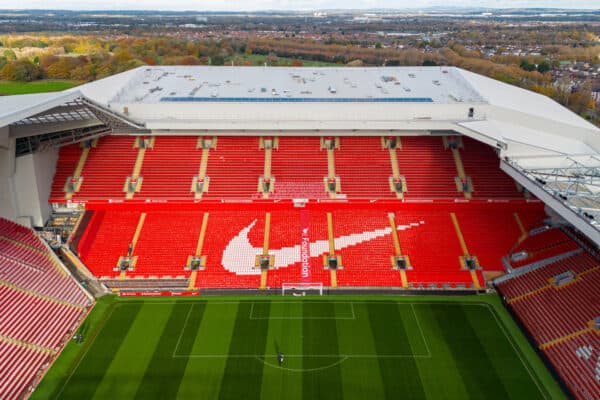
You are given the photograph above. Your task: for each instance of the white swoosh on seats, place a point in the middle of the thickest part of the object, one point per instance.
(239, 254)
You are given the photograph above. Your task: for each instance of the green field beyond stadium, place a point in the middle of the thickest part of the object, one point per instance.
(42, 86)
(334, 348)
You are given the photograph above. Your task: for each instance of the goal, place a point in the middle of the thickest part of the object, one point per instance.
(302, 289)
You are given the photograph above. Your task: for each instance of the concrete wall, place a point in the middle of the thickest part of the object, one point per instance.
(8, 201)
(33, 182)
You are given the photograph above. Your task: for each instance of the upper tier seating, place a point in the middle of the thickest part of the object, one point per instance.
(482, 164)
(364, 168)
(169, 167)
(106, 168)
(298, 168)
(234, 168)
(429, 169)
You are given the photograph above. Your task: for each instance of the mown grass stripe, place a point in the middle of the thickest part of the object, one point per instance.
(400, 376)
(202, 378)
(441, 368)
(361, 378)
(243, 376)
(478, 374)
(285, 337)
(500, 353)
(126, 370)
(322, 378)
(90, 372)
(164, 373)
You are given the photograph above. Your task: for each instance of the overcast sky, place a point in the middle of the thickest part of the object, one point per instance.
(251, 5)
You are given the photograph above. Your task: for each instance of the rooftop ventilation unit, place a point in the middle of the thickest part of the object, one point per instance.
(332, 89)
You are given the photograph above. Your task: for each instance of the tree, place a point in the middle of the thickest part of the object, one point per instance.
(10, 55)
(527, 66)
(20, 70)
(378, 45)
(543, 67)
(217, 59)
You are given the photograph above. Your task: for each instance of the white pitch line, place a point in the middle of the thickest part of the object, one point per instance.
(349, 318)
(510, 340)
(183, 329)
(412, 306)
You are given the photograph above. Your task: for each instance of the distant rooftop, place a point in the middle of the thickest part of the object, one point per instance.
(286, 84)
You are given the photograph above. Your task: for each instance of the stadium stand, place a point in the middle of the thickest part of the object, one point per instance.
(557, 303)
(20, 365)
(539, 244)
(578, 364)
(364, 168)
(362, 237)
(481, 165)
(41, 306)
(168, 168)
(234, 168)
(299, 166)
(106, 169)
(428, 168)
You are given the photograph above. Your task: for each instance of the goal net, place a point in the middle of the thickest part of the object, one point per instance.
(302, 289)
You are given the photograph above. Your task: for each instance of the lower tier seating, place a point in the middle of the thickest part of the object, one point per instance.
(539, 244)
(560, 319)
(577, 361)
(19, 365)
(41, 306)
(539, 278)
(234, 238)
(556, 312)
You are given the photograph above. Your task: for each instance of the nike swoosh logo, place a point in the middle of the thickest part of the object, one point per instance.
(239, 255)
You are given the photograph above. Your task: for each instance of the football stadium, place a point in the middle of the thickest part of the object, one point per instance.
(299, 233)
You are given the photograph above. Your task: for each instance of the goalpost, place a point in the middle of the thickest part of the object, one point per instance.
(302, 289)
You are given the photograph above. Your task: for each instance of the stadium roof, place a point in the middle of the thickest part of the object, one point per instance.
(531, 131)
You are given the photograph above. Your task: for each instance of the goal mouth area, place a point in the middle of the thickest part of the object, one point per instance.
(302, 289)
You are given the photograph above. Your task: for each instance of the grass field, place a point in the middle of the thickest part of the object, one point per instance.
(259, 59)
(334, 347)
(10, 87)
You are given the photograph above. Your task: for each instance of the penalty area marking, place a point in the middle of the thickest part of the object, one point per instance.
(344, 356)
(352, 315)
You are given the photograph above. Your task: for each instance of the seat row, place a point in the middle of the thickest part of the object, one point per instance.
(298, 166)
(363, 239)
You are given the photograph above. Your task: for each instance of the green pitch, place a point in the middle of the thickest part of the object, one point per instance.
(333, 347)
(42, 86)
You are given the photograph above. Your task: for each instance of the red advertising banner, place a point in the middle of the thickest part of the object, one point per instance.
(140, 294)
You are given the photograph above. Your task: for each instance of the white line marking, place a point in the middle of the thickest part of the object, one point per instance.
(412, 306)
(349, 318)
(510, 340)
(183, 329)
(87, 350)
(220, 356)
(302, 369)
